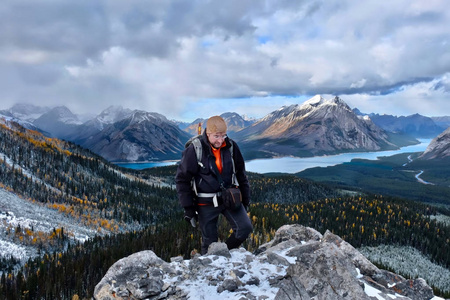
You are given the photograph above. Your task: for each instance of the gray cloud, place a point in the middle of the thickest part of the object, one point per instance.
(165, 55)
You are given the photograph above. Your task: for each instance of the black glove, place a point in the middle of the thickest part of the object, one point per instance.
(190, 215)
(246, 203)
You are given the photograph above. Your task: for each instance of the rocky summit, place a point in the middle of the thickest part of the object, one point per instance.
(299, 263)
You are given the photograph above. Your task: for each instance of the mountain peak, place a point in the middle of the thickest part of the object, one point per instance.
(315, 101)
(139, 116)
(113, 114)
(58, 114)
(319, 101)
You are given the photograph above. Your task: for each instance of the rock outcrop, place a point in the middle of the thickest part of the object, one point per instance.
(439, 147)
(299, 263)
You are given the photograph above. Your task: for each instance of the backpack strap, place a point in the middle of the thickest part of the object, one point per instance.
(198, 150)
(234, 180)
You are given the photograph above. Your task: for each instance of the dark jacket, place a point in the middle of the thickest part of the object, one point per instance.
(205, 179)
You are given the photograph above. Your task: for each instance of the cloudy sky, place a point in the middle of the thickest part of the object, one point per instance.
(196, 58)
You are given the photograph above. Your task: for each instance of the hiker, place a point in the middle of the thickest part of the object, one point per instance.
(216, 161)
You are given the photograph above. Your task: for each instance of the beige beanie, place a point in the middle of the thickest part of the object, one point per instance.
(216, 124)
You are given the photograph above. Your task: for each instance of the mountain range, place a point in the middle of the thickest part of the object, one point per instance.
(414, 125)
(316, 127)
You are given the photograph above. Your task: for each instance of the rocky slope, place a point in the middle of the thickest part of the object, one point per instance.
(142, 136)
(299, 263)
(439, 147)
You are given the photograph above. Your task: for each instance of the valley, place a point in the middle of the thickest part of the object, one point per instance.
(394, 175)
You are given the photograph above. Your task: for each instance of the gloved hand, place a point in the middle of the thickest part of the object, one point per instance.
(246, 203)
(190, 215)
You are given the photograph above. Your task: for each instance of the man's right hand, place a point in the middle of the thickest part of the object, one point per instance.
(190, 215)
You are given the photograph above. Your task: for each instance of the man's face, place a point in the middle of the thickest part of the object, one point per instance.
(216, 139)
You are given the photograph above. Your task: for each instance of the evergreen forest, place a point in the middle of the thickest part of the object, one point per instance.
(138, 210)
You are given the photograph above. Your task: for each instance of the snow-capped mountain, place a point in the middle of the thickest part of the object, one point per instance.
(142, 136)
(439, 147)
(109, 116)
(60, 122)
(416, 125)
(93, 126)
(25, 112)
(316, 127)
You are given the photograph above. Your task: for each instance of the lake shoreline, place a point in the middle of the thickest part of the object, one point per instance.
(291, 164)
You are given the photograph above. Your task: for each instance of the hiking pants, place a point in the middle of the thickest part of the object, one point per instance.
(208, 217)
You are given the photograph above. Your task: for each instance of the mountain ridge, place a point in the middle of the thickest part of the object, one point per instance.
(317, 127)
(298, 130)
(415, 125)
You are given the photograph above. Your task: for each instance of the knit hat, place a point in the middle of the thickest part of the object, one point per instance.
(216, 124)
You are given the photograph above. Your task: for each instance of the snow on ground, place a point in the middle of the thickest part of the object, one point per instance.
(224, 268)
(26, 172)
(441, 219)
(258, 269)
(8, 250)
(409, 261)
(15, 211)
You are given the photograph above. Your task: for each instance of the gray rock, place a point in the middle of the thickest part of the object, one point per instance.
(299, 263)
(326, 273)
(130, 273)
(292, 288)
(219, 249)
(228, 285)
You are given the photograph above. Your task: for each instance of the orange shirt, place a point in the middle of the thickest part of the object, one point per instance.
(218, 157)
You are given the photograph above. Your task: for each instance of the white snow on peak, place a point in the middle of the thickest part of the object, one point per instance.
(113, 114)
(315, 101)
(141, 116)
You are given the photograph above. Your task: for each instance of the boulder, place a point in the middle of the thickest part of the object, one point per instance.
(299, 263)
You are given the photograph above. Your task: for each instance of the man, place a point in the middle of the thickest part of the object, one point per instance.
(206, 203)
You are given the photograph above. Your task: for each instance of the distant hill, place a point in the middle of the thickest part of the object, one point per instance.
(416, 125)
(443, 121)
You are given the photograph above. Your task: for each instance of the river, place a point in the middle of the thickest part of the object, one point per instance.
(298, 164)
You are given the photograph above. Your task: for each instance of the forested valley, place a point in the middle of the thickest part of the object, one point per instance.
(138, 210)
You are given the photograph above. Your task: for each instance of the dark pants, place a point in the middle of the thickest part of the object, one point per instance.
(239, 221)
